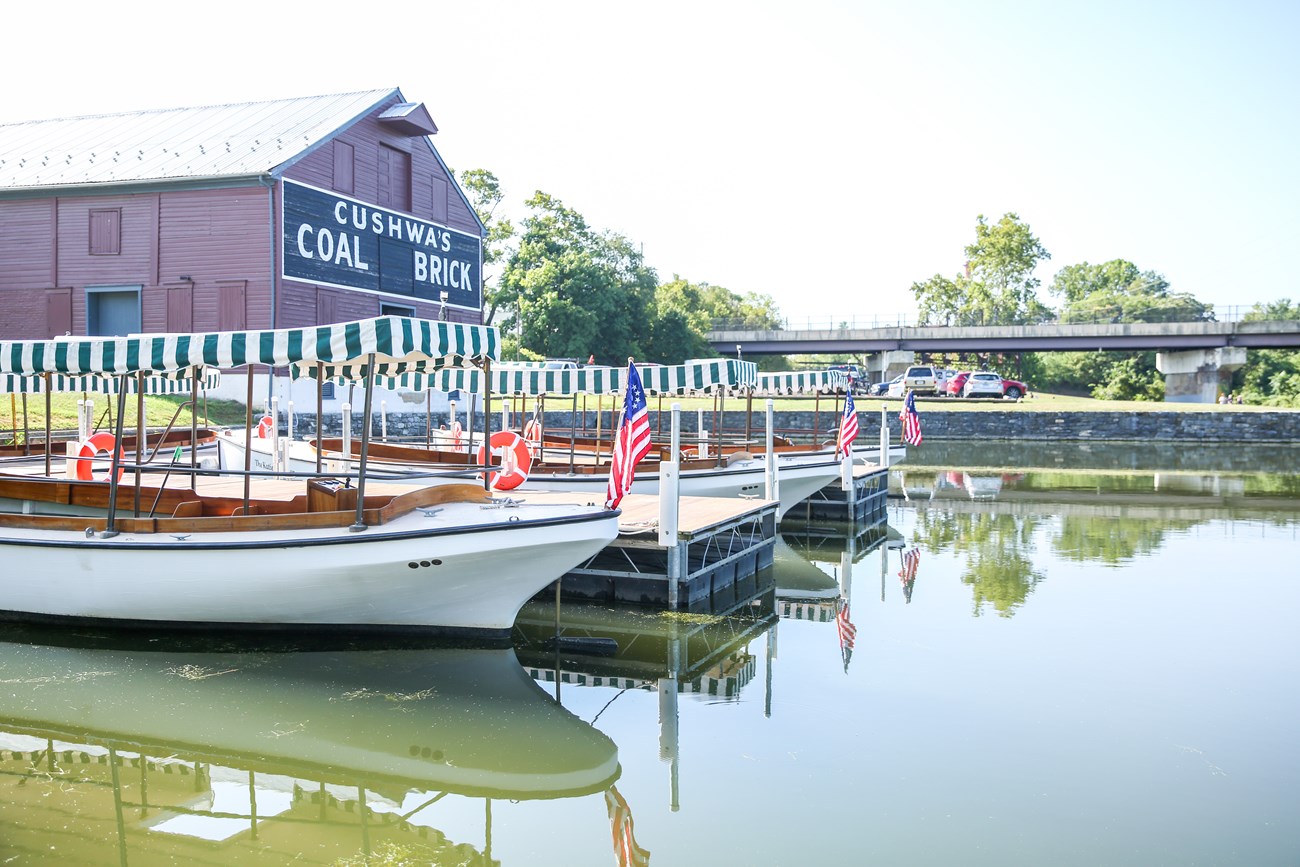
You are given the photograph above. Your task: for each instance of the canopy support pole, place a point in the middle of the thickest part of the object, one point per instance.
(248, 439)
(141, 445)
(320, 407)
(110, 525)
(194, 428)
(47, 424)
(365, 443)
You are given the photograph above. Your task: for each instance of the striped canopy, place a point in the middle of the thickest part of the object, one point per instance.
(801, 382)
(177, 383)
(397, 341)
(510, 378)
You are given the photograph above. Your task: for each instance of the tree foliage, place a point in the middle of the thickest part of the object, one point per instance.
(485, 195)
(1116, 291)
(573, 292)
(1271, 376)
(998, 286)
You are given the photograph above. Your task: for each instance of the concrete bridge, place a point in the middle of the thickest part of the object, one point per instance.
(1197, 358)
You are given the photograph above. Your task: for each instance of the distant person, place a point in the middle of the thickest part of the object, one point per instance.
(1224, 398)
(1237, 399)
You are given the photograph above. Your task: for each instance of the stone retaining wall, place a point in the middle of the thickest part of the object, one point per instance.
(1142, 426)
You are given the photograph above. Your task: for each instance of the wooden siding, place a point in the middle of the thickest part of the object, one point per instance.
(305, 304)
(27, 244)
(213, 236)
(365, 136)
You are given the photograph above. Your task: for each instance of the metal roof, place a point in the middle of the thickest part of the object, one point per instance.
(175, 144)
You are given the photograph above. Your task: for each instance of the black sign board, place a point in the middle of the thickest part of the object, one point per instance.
(334, 240)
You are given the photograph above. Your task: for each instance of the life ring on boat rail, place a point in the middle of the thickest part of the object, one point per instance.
(510, 476)
(91, 448)
(265, 425)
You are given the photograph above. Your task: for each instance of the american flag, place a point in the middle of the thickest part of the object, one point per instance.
(626, 852)
(848, 632)
(911, 421)
(848, 427)
(911, 560)
(632, 442)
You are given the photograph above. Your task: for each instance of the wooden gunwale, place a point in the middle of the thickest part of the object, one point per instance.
(317, 507)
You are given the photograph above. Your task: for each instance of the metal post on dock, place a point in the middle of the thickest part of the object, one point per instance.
(669, 490)
(884, 438)
(771, 491)
(383, 421)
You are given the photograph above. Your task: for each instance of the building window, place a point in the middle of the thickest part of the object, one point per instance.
(396, 310)
(344, 156)
(394, 179)
(112, 311)
(105, 231)
(439, 209)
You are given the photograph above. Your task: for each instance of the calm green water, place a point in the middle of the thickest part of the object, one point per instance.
(1095, 663)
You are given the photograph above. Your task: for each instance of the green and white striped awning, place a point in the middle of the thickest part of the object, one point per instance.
(177, 383)
(512, 379)
(706, 374)
(400, 342)
(801, 382)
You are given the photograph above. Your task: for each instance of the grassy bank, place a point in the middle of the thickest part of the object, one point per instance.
(159, 411)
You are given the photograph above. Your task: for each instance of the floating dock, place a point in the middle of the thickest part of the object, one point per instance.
(722, 545)
(865, 504)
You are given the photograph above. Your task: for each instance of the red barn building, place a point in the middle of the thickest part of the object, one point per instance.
(257, 215)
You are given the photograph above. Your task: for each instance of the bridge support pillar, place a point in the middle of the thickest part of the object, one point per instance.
(884, 366)
(1198, 375)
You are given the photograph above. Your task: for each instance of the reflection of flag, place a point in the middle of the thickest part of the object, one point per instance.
(848, 632)
(908, 574)
(848, 426)
(911, 421)
(632, 442)
(626, 852)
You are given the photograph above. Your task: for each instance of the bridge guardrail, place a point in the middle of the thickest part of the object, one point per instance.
(865, 321)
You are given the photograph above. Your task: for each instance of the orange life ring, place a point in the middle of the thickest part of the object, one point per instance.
(512, 478)
(90, 449)
(265, 425)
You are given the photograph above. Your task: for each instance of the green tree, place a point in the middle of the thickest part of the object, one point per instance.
(1116, 291)
(1271, 376)
(998, 287)
(571, 291)
(1120, 292)
(485, 195)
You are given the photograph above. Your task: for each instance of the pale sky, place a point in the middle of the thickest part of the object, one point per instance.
(826, 153)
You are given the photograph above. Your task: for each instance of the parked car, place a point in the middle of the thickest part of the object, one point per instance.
(920, 378)
(880, 389)
(1014, 388)
(956, 381)
(982, 383)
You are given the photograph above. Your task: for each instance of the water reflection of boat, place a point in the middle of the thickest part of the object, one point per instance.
(672, 653)
(150, 735)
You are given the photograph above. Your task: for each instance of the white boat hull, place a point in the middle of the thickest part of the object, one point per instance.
(459, 568)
